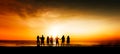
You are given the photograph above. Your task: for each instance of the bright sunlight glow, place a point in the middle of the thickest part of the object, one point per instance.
(82, 28)
(55, 31)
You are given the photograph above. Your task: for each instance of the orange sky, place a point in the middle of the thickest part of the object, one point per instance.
(80, 24)
(78, 27)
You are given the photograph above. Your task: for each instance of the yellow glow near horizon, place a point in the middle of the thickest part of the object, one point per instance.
(81, 28)
(55, 31)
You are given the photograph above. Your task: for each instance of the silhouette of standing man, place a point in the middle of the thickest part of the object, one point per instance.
(47, 40)
(38, 41)
(68, 40)
(63, 40)
(42, 40)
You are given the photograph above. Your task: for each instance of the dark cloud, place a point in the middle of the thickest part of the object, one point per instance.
(30, 7)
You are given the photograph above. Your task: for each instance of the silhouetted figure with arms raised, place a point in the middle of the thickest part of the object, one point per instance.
(57, 41)
(42, 40)
(63, 40)
(68, 40)
(38, 41)
(47, 40)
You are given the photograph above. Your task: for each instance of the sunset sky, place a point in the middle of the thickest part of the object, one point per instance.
(84, 20)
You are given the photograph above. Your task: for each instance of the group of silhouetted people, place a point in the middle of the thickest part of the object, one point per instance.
(40, 40)
(49, 40)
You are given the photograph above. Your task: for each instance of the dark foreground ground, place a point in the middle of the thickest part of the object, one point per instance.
(58, 50)
(60, 47)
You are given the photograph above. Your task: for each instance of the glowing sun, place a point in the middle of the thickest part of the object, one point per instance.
(55, 31)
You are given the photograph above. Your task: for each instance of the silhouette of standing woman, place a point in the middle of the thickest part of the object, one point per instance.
(68, 40)
(38, 41)
(63, 40)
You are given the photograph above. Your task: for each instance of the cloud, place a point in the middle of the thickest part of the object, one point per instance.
(25, 8)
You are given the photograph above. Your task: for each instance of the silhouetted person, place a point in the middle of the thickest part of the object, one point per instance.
(68, 40)
(48, 40)
(38, 40)
(51, 40)
(63, 40)
(57, 40)
(42, 40)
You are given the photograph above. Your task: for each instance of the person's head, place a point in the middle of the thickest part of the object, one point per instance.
(37, 35)
(42, 35)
